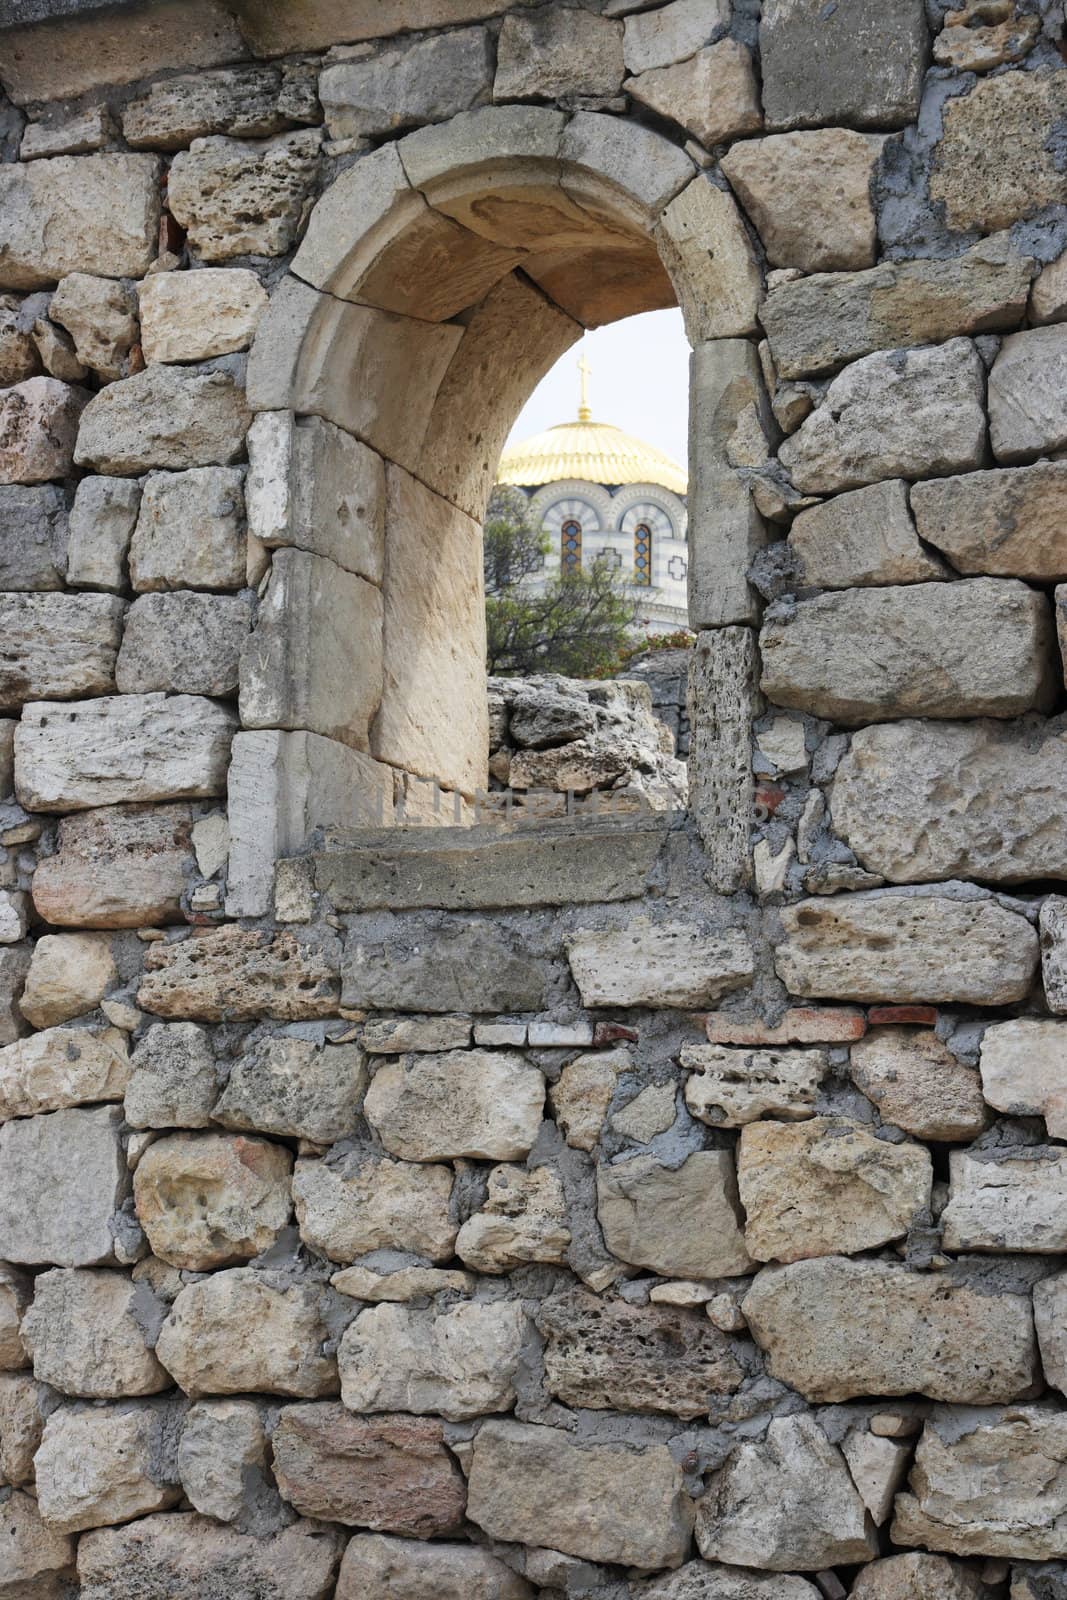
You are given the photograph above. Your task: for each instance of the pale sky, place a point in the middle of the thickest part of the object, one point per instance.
(639, 381)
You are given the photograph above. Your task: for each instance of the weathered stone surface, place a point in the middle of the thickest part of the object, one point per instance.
(1052, 923)
(1008, 522)
(835, 1329)
(608, 1502)
(96, 213)
(15, 1293)
(62, 1067)
(38, 1559)
(730, 1087)
(918, 1084)
(1014, 1200)
(558, 53)
(862, 538)
(686, 1223)
(298, 1088)
(235, 974)
(862, 66)
(248, 102)
(482, 1104)
(673, 964)
(705, 248)
(88, 1334)
(916, 1576)
(34, 534)
(58, 646)
(1050, 1303)
(19, 357)
(582, 1093)
(184, 643)
(672, 32)
(102, 520)
(238, 198)
(1023, 1066)
(172, 1081)
(14, 965)
(713, 95)
(21, 1425)
(392, 1474)
(192, 316)
(889, 415)
(1003, 127)
(786, 1501)
(1048, 293)
(159, 1556)
(722, 699)
(104, 1465)
(408, 1570)
(887, 947)
(706, 1580)
(69, 975)
(116, 867)
(994, 1487)
(167, 417)
(356, 1203)
(39, 421)
(190, 531)
(208, 1200)
(606, 1355)
(825, 1187)
(833, 227)
(425, 80)
(955, 800)
(457, 1363)
(239, 1331)
(980, 647)
(101, 317)
(393, 1036)
(400, 1286)
(523, 1219)
(1027, 409)
(223, 1447)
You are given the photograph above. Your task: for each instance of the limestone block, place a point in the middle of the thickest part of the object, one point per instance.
(58, 646)
(977, 648)
(523, 1219)
(611, 1356)
(39, 1559)
(102, 1466)
(357, 1202)
(247, 102)
(672, 33)
(1022, 1065)
(192, 316)
(713, 95)
(1012, 1201)
(97, 214)
(554, 53)
(901, 948)
(426, 80)
(958, 1504)
(100, 315)
(485, 1105)
(16, 1291)
(410, 1570)
(606, 1502)
(21, 1425)
(685, 1223)
(862, 66)
(712, 264)
(1053, 927)
(34, 535)
(457, 1363)
(190, 531)
(722, 701)
(863, 538)
(298, 1088)
(164, 417)
(313, 485)
(88, 1334)
(1001, 128)
(62, 1067)
(1049, 1301)
(241, 1331)
(706, 1580)
(954, 800)
(116, 867)
(918, 1084)
(69, 975)
(1027, 409)
(388, 1473)
(833, 228)
(649, 169)
(582, 1093)
(878, 1467)
(208, 1200)
(673, 964)
(725, 529)
(730, 1087)
(14, 965)
(238, 198)
(102, 520)
(184, 643)
(182, 1549)
(469, 966)
(172, 1079)
(915, 1576)
(19, 357)
(1008, 522)
(392, 1036)
(39, 420)
(236, 974)
(889, 415)
(315, 658)
(223, 1447)
(1048, 293)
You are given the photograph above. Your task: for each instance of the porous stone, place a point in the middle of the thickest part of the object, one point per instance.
(172, 1078)
(102, 520)
(58, 646)
(705, 248)
(299, 1088)
(523, 1219)
(785, 1501)
(977, 648)
(558, 53)
(673, 964)
(1013, 1200)
(104, 1465)
(1052, 922)
(192, 316)
(62, 1067)
(889, 947)
(21, 1425)
(860, 66)
(621, 1503)
(236, 197)
(978, 37)
(100, 315)
(482, 1104)
(391, 1474)
(582, 1093)
(358, 1202)
(116, 867)
(862, 538)
(472, 966)
(34, 535)
(1008, 522)
(184, 643)
(1004, 126)
(89, 1333)
(685, 1223)
(16, 1292)
(918, 1084)
(457, 1363)
(163, 417)
(729, 1087)
(208, 1200)
(233, 974)
(190, 531)
(835, 1329)
(97, 214)
(240, 1331)
(69, 974)
(722, 699)
(249, 102)
(39, 1559)
(160, 1555)
(401, 1286)
(417, 81)
(18, 353)
(1027, 409)
(955, 800)
(713, 94)
(912, 414)
(39, 423)
(833, 228)
(223, 1454)
(409, 1570)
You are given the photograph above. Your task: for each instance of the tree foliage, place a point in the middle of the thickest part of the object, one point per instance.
(577, 624)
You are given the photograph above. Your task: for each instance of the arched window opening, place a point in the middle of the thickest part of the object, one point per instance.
(570, 546)
(643, 555)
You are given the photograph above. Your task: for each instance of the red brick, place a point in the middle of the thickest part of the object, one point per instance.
(768, 798)
(799, 1025)
(921, 1016)
(611, 1032)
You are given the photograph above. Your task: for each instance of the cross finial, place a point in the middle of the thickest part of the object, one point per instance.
(584, 369)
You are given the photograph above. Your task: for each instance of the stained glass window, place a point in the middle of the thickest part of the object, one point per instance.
(570, 545)
(643, 554)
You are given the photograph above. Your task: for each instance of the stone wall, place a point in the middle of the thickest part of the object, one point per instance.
(655, 1208)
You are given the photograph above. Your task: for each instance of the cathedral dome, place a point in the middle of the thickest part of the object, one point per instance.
(594, 451)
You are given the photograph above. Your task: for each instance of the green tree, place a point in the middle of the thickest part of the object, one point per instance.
(577, 624)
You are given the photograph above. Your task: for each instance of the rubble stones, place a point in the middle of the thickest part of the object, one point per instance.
(39, 423)
(233, 974)
(184, 643)
(103, 1465)
(470, 966)
(88, 1333)
(457, 1363)
(861, 66)
(706, 1580)
(97, 213)
(482, 1104)
(730, 1087)
(18, 353)
(713, 95)
(581, 1095)
(833, 229)
(180, 1548)
(15, 1294)
(1027, 411)
(1010, 1200)
(61, 1067)
(358, 1203)
(39, 1559)
(1008, 522)
(916, 1576)
(1050, 1296)
(223, 1450)
(918, 1084)
(684, 1223)
(239, 198)
(192, 316)
(670, 33)
(295, 1087)
(1001, 128)
(190, 531)
(163, 417)
(674, 964)
(21, 1425)
(100, 315)
(250, 102)
(550, 51)
(209, 1200)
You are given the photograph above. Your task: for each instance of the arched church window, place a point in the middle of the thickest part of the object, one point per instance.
(647, 523)
(643, 554)
(570, 545)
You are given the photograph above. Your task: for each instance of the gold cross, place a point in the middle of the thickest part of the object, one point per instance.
(584, 413)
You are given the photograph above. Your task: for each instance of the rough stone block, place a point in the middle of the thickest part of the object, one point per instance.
(100, 315)
(164, 417)
(172, 1079)
(1004, 126)
(104, 1465)
(457, 1363)
(39, 421)
(14, 965)
(190, 531)
(16, 1291)
(176, 1550)
(1022, 1064)
(480, 1104)
(192, 316)
(558, 53)
(374, 1562)
(209, 1200)
(707, 1580)
(88, 1333)
(1048, 293)
(918, 1084)
(117, 867)
(861, 66)
(862, 538)
(523, 1219)
(713, 95)
(240, 974)
(39, 1559)
(238, 198)
(21, 1425)
(422, 81)
(1049, 1297)
(61, 1067)
(1008, 522)
(1052, 922)
(725, 529)
(223, 1460)
(1006, 1202)
(62, 1179)
(671, 33)
(184, 643)
(247, 102)
(465, 966)
(356, 1203)
(67, 133)
(711, 261)
(70, 973)
(730, 1087)
(298, 1088)
(33, 537)
(19, 356)
(832, 229)
(58, 646)
(102, 520)
(673, 964)
(684, 1223)
(1027, 408)
(97, 213)
(722, 700)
